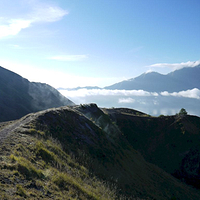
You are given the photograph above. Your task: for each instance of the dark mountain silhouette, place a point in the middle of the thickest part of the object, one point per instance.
(19, 97)
(182, 79)
(85, 152)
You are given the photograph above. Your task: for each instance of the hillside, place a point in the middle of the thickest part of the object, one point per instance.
(182, 79)
(79, 153)
(19, 97)
(170, 142)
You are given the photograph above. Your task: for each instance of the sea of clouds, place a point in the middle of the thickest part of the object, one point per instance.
(152, 103)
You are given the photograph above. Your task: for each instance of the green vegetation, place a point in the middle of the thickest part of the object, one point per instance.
(39, 169)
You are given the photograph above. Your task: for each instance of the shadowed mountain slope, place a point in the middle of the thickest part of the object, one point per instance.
(19, 97)
(61, 153)
(182, 79)
(170, 142)
(188, 77)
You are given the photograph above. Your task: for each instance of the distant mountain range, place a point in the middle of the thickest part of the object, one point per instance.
(178, 80)
(182, 79)
(19, 97)
(79, 88)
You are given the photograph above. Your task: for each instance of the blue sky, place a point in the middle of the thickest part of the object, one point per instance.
(97, 42)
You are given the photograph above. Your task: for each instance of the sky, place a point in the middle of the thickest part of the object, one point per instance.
(71, 43)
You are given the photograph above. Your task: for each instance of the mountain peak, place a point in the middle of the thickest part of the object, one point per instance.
(179, 80)
(150, 74)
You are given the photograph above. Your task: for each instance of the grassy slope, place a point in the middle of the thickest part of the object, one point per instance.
(61, 154)
(34, 166)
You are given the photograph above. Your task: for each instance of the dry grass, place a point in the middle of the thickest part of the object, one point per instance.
(43, 170)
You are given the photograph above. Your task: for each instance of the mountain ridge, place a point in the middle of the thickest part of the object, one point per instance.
(182, 79)
(19, 97)
(81, 131)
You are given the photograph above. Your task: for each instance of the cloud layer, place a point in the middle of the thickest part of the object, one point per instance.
(152, 103)
(105, 92)
(194, 93)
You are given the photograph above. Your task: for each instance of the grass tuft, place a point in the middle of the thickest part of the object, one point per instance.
(21, 191)
(27, 169)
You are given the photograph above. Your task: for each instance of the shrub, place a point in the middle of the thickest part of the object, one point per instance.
(182, 112)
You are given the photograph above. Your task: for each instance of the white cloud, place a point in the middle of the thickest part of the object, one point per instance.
(126, 100)
(176, 66)
(69, 57)
(39, 13)
(194, 93)
(13, 27)
(47, 13)
(105, 92)
(106, 97)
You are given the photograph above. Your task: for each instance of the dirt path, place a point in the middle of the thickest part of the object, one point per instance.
(9, 129)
